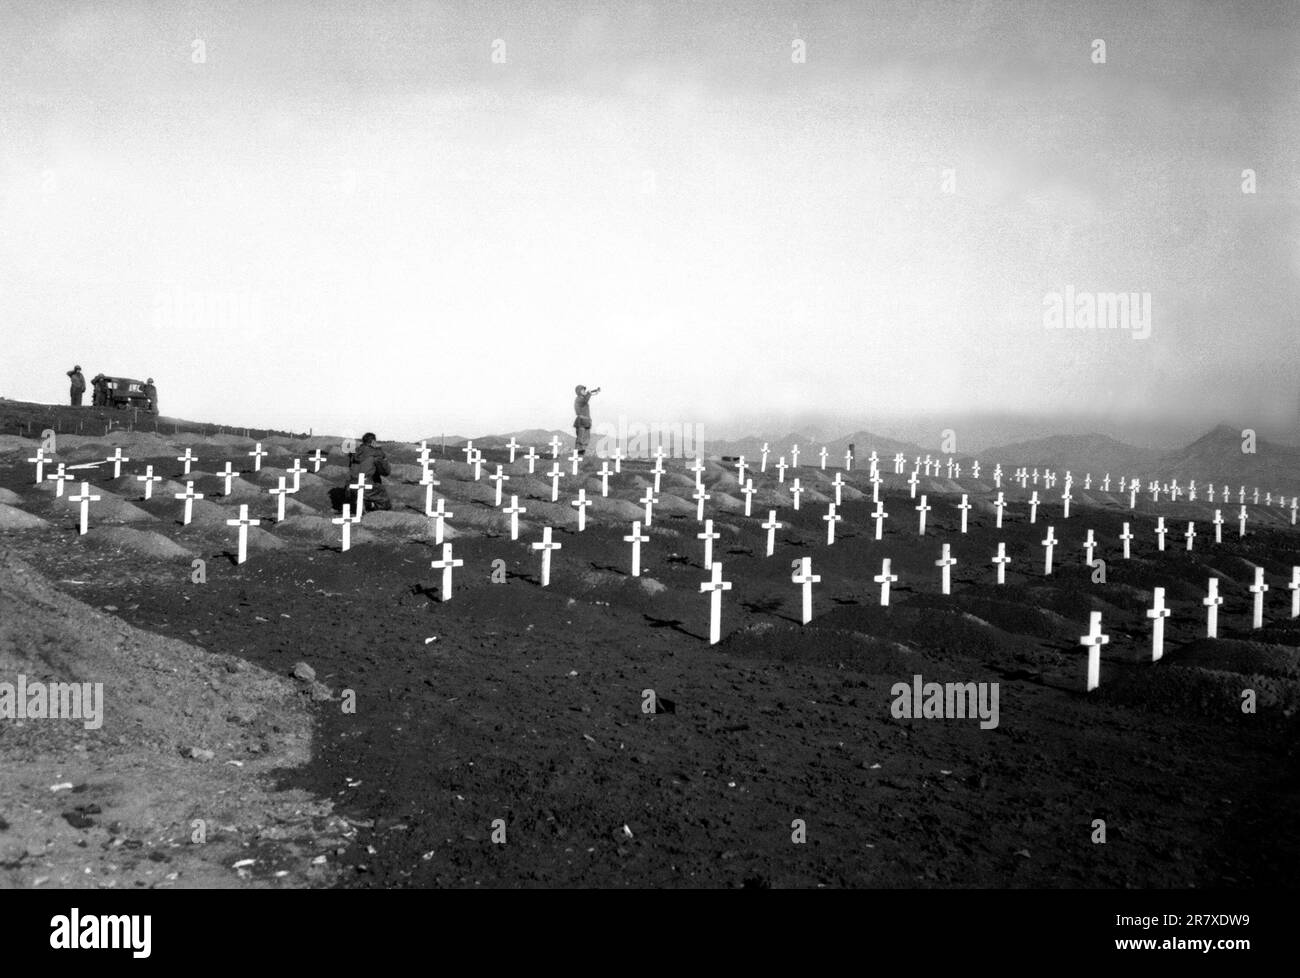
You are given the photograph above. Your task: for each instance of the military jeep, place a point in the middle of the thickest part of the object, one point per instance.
(123, 392)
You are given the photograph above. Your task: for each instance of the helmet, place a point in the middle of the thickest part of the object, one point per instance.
(579, 389)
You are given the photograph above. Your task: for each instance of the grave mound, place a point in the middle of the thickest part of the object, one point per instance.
(9, 497)
(144, 542)
(12, 518)
(321, 530)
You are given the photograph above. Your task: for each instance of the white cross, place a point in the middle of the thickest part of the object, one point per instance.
(1033, 507)
(748, 493)
(345, 521)
(228, 474)
(1295, 505)
(280, 493)
(478, 465)
(879, 516)
(805, 577)
(1258, 589)
(975, 469)
(771, 526)
(514, 447)
(1126, 536)
(499, 477)
(1121, 483)
(708, 536)
(1294, 588)
(922, 508)
(1212, 600)
(715, 586)
(1191, 491)
(658, 473)
(796, 491)
(1050, 544)
(604, 479)
(999, 504)
(1105, 483)
(440, 517)
(1241, 494)
(60, 477)
(763, 467)
(257, 455)
(636, 539)
(1094, 640)
(822, 453)
(424, 457)
(532, 459)
(243, 523)
(698, 469)
(946, 562)
(555, 447)
(997, 476)
(1255, 497)
(470, 452)
(1066, 500)
(794, 456)
(699, 495)
(875, 486)
(297, 470)
(317, 458)
(148, 479)
(884, 579)
(1158, 613)
(554, 476)
(546, 546)
(1218, 526)
(447, 564)
(581, 504)
(898, 463)
(187, 459)
(40, 460)
(838, 483)
(948, 467)
(1190, 534)
(360, 488)
(85, 499)
(912, 481)
(618, 460)
(831, 519)
(1133, 496)
(513, 510)
(1155, 492)
(428, 481)
(1160, 532)
(1089, 544)
(965, 508)
(117, 458)
(649, 500)
(1023, 476)
(574, 459)
(780, 469)
(660, 454)
(1001, 560)
(1035, 477)
(740, 470)
(1209, 492)
(189, 495)
(1241, 529)
(848, 460)
(1087, 481)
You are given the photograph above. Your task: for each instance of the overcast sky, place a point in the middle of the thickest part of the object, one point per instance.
(349, 216)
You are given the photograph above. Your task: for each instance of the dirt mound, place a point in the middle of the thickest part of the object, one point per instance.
(323, 531)
(144, 542)
(10, 498)
(12, 444)
(111, 508)
(616, 510)
(128, 818)
(410, 525)
(1242, 657)
(12, 518)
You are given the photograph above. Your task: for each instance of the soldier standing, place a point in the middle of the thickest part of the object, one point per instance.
(369, 460)
(582, 417)
(151, 392)
(78, 385)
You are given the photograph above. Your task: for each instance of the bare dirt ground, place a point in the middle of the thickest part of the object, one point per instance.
(525, 704)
